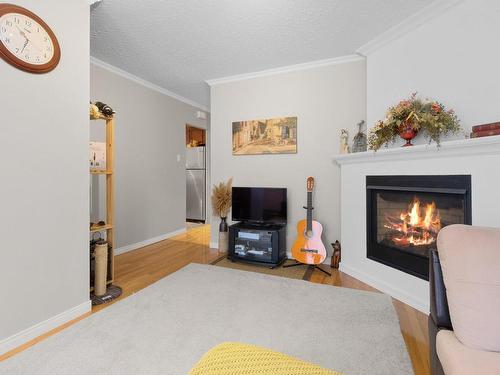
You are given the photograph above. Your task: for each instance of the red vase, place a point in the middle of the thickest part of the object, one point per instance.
(407, 132)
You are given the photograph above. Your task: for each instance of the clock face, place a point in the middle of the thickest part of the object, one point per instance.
(26, 41)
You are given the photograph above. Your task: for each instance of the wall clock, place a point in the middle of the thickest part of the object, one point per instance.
(26, 41)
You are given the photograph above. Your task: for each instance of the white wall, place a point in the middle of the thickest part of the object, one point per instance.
(44, 269)
(150, 183)
(452, 58)
(325, 99)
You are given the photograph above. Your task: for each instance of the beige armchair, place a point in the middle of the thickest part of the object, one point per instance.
(464, 322)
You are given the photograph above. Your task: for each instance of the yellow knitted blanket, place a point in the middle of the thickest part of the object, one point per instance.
(242, 359)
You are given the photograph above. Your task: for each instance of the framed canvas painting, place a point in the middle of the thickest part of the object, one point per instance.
(270, 136)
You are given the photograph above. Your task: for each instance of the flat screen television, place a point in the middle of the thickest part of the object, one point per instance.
(259, 205)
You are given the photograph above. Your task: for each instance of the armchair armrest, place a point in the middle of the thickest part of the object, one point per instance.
(439, 310)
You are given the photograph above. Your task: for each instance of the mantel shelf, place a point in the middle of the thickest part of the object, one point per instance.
(99, 171)
(462, 147)
(101, 228)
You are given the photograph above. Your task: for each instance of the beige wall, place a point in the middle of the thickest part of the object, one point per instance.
(325, 100)
(44, 189)
(150, 191)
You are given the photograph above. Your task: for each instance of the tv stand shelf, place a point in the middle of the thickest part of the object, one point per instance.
(257, 243)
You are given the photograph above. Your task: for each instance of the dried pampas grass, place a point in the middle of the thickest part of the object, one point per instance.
(221, 198)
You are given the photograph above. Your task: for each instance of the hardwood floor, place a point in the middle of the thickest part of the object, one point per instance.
(137, 269)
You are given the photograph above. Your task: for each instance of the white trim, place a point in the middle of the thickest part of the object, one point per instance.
(214, 245)
(145, 83)
(286, 69)
(462, 147)
(409, 24)
(39, 329)
(394, 292)
(92, 2)
(137, 245)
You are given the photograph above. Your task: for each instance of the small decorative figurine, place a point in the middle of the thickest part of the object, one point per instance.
(344, 141)
(105, 109)
(359, 143)
(336, 257)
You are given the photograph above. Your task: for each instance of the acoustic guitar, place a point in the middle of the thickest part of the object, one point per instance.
(308, 247)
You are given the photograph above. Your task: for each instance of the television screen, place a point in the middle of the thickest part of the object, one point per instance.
(262, 205)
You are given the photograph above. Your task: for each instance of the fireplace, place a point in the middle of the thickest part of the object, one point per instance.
(405, 214)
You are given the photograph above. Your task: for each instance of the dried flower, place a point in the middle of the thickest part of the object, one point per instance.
(221, 198)
(436, 107)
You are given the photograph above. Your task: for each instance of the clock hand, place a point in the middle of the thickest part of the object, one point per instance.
(25, 44)
(22, 33)
(28, 40)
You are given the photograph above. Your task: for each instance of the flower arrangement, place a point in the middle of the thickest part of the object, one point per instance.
(221, 198)
(411, 116)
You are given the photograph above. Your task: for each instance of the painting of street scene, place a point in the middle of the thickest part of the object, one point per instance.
(271, 136)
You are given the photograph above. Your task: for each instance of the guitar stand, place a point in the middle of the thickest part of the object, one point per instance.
(305, 264)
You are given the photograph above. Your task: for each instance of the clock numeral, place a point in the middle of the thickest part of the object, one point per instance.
(4, 30)
(27, 23)
(8, 23)
(45, 39)
(7, 40)
(27, 57)
(16, 20)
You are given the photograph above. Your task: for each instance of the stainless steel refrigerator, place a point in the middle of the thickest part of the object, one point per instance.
(195, 184)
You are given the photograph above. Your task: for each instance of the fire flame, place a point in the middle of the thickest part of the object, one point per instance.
(418, 226)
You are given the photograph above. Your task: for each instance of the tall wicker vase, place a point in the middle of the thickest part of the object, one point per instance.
(223, 235)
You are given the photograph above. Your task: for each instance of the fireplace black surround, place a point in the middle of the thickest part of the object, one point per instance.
(405, 213)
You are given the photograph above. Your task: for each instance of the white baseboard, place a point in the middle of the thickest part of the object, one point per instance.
(394, 292)
(137, 245)
(214, 245)
(39, 329)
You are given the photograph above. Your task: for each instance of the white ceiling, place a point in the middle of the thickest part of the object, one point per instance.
(178, 45)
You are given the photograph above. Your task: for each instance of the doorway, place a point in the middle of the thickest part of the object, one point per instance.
(196, 174)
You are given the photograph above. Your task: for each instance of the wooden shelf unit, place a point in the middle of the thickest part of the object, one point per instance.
(108, 227)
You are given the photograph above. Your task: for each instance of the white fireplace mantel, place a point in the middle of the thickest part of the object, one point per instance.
(479, 158)
(462, 147)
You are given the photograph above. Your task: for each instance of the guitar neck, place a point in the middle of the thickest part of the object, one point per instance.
(309, 211)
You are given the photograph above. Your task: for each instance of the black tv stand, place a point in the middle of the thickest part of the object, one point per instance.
(257, 243)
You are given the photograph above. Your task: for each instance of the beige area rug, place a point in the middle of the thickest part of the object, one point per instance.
(165, 328)
(300, 272)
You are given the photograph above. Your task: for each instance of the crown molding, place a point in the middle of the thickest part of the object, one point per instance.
(409, 24)
(145, 83)
(92, 2)
(286, 69)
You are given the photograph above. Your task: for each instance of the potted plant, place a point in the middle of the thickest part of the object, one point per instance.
(411, 116)
(221, 203)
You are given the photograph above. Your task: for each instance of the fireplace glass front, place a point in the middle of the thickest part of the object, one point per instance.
(406, 213)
